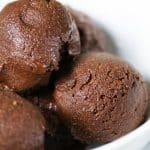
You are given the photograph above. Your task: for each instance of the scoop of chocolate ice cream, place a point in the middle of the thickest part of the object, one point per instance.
(91, 34)
(34, 34)
(102, 98)
(22, 126)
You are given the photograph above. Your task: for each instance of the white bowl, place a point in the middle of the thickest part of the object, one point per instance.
(128, 23)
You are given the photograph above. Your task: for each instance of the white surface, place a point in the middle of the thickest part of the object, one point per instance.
(128, 23)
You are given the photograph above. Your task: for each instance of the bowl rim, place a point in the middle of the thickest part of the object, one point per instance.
(142, 129)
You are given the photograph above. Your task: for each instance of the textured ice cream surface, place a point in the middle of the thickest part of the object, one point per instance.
(22, 127)
(57, 136)
(102, 98)
(34, 35)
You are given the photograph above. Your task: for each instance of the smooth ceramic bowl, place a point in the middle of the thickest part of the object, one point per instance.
(127, 22)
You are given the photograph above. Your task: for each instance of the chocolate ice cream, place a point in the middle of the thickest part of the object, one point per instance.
(57, 135)
(34, 34)
(22, 126)
(101, 99)
(91, 34)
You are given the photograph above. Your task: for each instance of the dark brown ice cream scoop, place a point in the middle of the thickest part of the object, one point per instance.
(101, 99)
(22, 127)
(34, 35)
(91, 34)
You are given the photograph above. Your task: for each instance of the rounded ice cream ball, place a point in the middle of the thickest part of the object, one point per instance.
(34, 35)
(22, 126)
(91, 34)
(101, 99)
